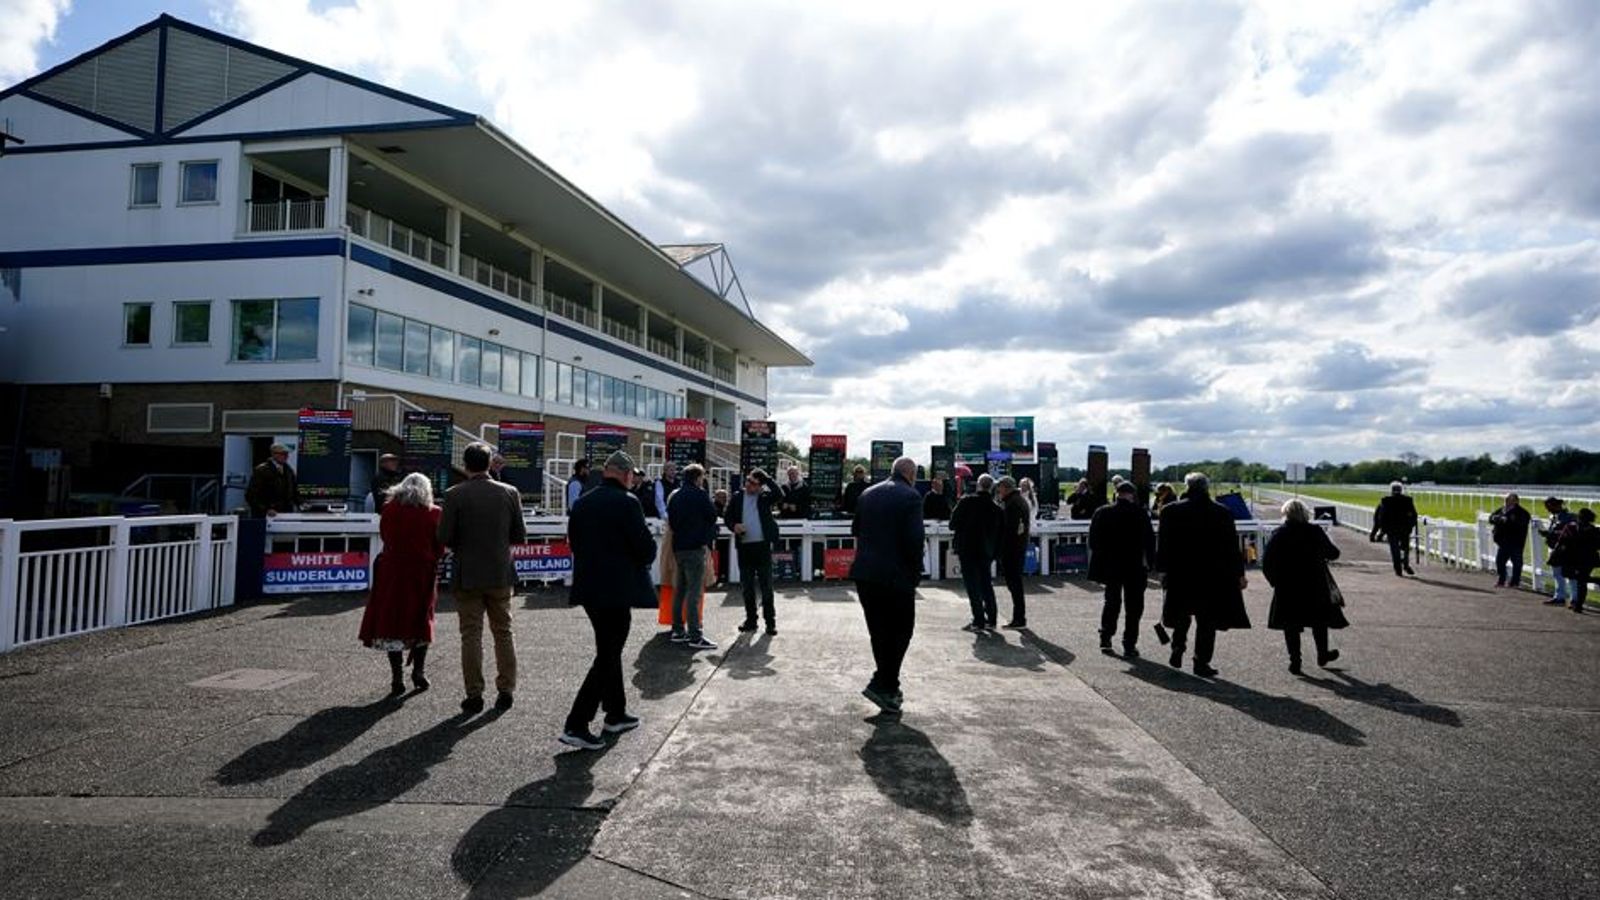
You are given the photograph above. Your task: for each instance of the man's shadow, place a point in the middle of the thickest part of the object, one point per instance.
(318, 736)
(374, 781)
(1056, 653)
(906, 767)
(1385, 696)
(748, 659)
(1279, 712)
(662, 667)
(1449, 585)
(996, 650)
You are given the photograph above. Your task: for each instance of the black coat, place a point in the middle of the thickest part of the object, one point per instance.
(1122, 544)
(1395, 516)
(693, 518)
(1295, 563)
(1082, 504)
(852, 496)
(1197, 551)
(272, 489)
(734, 513)
(381, 484)
(612, 549)
(935, 506)
(1016, 521)
(1511, 527)
(889, 535)
(1578, 549)
(976, 525)
(796, 501)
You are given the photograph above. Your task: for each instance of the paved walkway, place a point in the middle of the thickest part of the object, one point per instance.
(1449, 754)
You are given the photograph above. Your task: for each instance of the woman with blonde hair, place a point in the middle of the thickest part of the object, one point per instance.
(399, 615)
(1304, 594)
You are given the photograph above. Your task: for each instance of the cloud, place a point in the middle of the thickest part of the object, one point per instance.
(1351, 366)
(24, 25)
(1537, 293)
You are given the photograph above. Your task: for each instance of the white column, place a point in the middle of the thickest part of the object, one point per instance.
(338, 187)
(452, 236)
(10, 559)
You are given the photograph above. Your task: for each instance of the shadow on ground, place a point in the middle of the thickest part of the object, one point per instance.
(908, 769)
(1385, 696)
(314, 738)
(662, 667)
(1277, 711)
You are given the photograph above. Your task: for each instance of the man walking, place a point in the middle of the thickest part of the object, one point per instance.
(1016, 518)
(1122, 544)
(482, 518)
(1561, 519)
(749, 516)
(273, 487)
(1510, 530)
(612, 549)
(888, 565)
(976, 526)
(693, 519)
(1396, 517)
(1197, 551)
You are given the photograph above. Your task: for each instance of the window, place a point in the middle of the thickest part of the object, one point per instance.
(359, 335)
(468, 353)
(417, 349)
(530, 375)
(511, 371)
(550, 379)
(146, 186)
(197, 182)
(191, 322)
(608, 399)
(442, 361)
(580, 387)
(563, 383)
(275, 330)
(489, 367)
(594, 390)
(639, 400)
(391, 341)
(136, 324)
(297, 330)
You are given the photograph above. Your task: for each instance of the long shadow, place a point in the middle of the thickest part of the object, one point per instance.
(1453, 586)
(662, 668)
(545, 598)
(1056, 653)
(748, 659)
(316, 605)
(318, 736)
(1279, 712)
(370, 783)
(996, 650)
(908, 769)
(1386, 696)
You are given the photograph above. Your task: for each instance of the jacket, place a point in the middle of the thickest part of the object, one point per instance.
(1578, 549)
(482, 518)
(404, 576)
(889, 535)
(976, 524)
(272, 489)
(734, 514)
(796, 502)
(1295, 563)
(612, 550)
(1122, 544)
(381, 484)
(1082, 504)
(1395, 516)
(852, 496)
(936, 506)
(1016, 524)
(1510, 526)
(692, 517)
(1197, 552)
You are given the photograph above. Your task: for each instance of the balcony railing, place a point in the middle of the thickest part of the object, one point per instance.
(662, 348)
(619, 331)
(266, 216)
(568, 309)
(723, 374)
(386, 231)
(496, 278)
(697, 363)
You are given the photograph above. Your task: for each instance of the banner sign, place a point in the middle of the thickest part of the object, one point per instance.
(305, 573)
(686, 442)
(1070, 557)
(1013, 435)
(599, 442)
(836, 562)
(758, 446)
(827, 474)
(324, 457)
(535, 561)
(973, 438)
(881, 460)
(785, 565)
(428, 446)
(999, 463)
(1049, 487)
(522, 447)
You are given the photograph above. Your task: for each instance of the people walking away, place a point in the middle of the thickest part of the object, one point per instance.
(1122, 547)
(1561, 519)
(661, 490)
(1580, 556)
(1015, 530)
(1396, 518)
(273, 487)
(889, 541)
(852, 491)
(749, 517)
(693, 522)
(1304, 594)
(1082, 504)
(1509, 526)
(796, 500)
(384, 480)
(482, 518)
(1202, 572)
(975, 523)
(399, 613)
(577, 483)
(936, 504)
(612, 550)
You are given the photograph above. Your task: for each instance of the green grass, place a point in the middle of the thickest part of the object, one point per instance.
(1434, 505)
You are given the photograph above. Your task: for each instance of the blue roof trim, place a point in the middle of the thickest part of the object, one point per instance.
(86, 114)
(155, 140)
(168, 253)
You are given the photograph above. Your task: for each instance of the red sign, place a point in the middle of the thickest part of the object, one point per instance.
(303, 573)
(836, 562)
(686, 429)
(828, 442)
(540, 560)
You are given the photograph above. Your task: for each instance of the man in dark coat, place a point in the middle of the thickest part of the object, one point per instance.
(579, 482)
(975, 523)
(936, 505)
(1122, 545)
(853, 490)
(888, 565)
(693, 518)
(1396, 517)
(1510, 525)
(1082, 503)
(796, 500)
(1015, 524)
(612, 550)
(1197, 552)
(749, 517)
(1295, 562)
(383, 482)
(273, 487)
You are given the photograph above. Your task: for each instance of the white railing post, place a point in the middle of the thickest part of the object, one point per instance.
(10, 556)
(201, 597)
(1484, 541)
(117, 591)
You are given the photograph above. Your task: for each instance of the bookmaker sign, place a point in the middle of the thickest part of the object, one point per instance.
(304, 573)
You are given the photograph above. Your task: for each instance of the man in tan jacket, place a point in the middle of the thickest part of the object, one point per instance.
(482, 519)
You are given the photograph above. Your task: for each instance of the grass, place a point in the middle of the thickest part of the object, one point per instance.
(1433, 504)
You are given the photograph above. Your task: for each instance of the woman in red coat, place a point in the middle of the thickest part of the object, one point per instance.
(399, 614)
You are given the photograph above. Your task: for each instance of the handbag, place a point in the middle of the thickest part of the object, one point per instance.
(1335, 596)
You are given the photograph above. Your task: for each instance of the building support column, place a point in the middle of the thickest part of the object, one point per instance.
(452, 236)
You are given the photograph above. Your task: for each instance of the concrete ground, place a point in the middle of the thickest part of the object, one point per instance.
(1449, 753)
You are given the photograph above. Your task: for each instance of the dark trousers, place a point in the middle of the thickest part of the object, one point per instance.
(1503, 555)
(1123, 595)
(1011, 568)
(980, 588)
(602, 687)
(1205, 639)
(891, 614)
(1580, 585)
(1291, 640)
(1400, 553)
(755, 564)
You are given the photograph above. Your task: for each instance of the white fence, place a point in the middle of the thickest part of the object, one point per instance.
(60, 577)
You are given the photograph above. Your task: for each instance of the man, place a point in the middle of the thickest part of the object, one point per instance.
(796, 500)
(640, 486)
(482, 518)
(577, 483)
(383, 482)
(852, 491)
(496, 464)
(1197, 551)
(1396, 517)
(273, 487)
(888, 565)
(936, 505)
(662, 490)
(976, 526)
(612, 550)
(1510, 530)
(1122, 545)
(694, 529)
(1561, 519)
(1083, 502)
(749, 516)
(1016, 520)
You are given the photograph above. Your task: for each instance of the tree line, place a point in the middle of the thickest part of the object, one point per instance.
(1563, 464)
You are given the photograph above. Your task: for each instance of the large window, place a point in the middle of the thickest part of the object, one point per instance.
(530, 375)
(387, 341)
(360, 334)
(418, 347)
(274, 330)
(469, 355)
(145, 189)
(442, 359)
(136, 324)
(197, 182)
(391, 341)
(510, 371)
(191, 322)
(489, 367)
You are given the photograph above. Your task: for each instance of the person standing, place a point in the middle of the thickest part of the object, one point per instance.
(1510, 529)
(612, 550)
(976, 526)
(399, 613)
(749, 516)
(1561, 519)
(662, 490)
(889, 542)
(1025, 488)
(497, 464)
(644, 489)
(387, 476)
(796, 501)
(1083, 502)
(1197, 553)
(1580, 556)
(482, 518)
(1164, 495)
(273, 487)
(1295, 562)
(1015, 529)
(1396, 518)
(692, 520)
(578, 483)
(1122, 545)
(852, 491)
(936, 504)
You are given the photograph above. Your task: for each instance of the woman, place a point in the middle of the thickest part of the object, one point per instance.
(1164, 495)
(399, 614)
(1579, 550)
(1025, 488)
(1296, 565)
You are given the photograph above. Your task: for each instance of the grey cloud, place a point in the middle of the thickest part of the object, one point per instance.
(1350, 366)
(1471, 413)
(1563, 360)
(1551, 296)
(1419, 112)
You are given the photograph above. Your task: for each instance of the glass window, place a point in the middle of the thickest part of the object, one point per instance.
(197, 182)
(608, 396)
(418, 346)
(530, 375)
(297, 330)
(191, 322)
(146, 188)
(468, 354)
(638, 402)
(359, 335)
(510, 371)
(580, 387)
(489, 367)
(136, 324)
(391, 341)
(594, 390)
(563, 383)
(253, 325)
(550, 380)
(655, 404)
(442, 359)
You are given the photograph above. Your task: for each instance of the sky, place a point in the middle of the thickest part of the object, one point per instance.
(1281, 231)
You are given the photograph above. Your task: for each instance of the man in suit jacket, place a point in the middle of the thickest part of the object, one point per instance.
(1197, 551)
(975, 524)
(1122, 544)
(482, 518)
(694, 529)
(749, 516)
(273, 487)
(1396, 517)
(612, 549)
(888, 565)
(1016, 523)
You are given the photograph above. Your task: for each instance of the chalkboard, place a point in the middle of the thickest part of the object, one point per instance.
(943, 463)
(428, 443)
(599, 442)
(1141, 474)
(882, 458)
(1098, 466)
(686, 442)
(324, 457)
(1049, 489)
(827, 474)
(522, 446)
(758, 446)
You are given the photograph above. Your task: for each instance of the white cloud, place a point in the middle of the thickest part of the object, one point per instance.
(24, 25)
